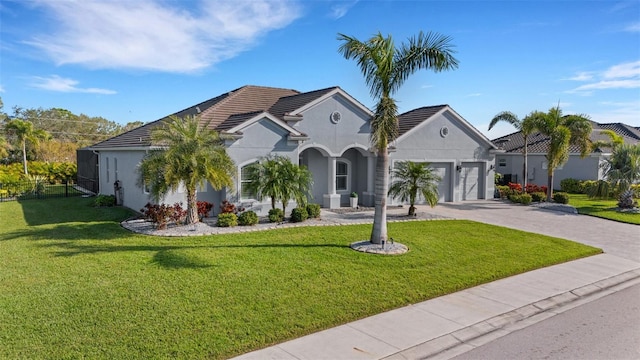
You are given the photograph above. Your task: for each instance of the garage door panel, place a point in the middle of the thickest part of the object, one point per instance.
(470, 181)
(444, 187)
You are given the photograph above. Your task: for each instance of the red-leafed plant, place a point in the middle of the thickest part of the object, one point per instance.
(161, 214)
(204, 208)
(515, 187)
(228, 208)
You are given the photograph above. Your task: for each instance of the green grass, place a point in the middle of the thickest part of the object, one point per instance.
(602, 208)
(74, 284)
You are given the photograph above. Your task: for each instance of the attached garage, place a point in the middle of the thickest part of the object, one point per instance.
(471, 184)
(444, 187)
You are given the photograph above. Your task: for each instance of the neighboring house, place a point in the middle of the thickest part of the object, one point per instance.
(509, 163)
(325, 130)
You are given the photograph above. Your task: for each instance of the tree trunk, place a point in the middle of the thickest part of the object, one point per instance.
(524, 167)
(192, 207)
(24, 157)
(379, 231)
(550, 185)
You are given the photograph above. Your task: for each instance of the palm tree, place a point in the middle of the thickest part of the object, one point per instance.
(411, 178)
(526, 126)
(562, 132)
(621, 170)
(385, 69)
(189, 155)
(25, 132)
(280, 179)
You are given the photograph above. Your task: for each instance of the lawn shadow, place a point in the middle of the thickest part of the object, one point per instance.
(79, 232)
(73, 209)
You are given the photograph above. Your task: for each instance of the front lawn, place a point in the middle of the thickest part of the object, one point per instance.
(74, 284)
(602, 208)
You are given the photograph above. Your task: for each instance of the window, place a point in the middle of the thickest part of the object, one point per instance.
(108, 170)
(502, 162)
(545, 166)
(244, 180)
(115, 167)
(342, 176)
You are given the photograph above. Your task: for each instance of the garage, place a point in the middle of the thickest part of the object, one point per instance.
(470, 181)
(444, 187)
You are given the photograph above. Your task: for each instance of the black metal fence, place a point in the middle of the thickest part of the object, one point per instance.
(39, 189)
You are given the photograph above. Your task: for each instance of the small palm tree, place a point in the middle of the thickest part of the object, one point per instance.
(562, 131)
(385, 69)
(278, 178)
(621, 169)
(190, 154)
(412, 178)
(25, 132)
(527, 127)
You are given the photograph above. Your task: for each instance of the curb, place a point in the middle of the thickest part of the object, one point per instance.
(470, 337)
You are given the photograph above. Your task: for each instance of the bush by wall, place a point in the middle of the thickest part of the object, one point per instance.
(227, 220)
(561, 197)
(248, 218)
(538, 197)
(299, 214)
(313, 210)
(104, 200)
(276, 215)
(161, 214)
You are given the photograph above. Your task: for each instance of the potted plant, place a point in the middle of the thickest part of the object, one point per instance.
(354, 199)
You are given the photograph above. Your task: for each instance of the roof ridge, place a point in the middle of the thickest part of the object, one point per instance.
(423, 107)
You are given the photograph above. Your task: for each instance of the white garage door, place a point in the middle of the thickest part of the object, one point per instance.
(470, 181)
(444, 187)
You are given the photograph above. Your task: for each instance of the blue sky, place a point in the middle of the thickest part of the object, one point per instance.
(129, 60)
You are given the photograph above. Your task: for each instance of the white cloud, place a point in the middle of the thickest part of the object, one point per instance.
(624, 112)
(340, 10)
(157, 35)
(60, 84)
(474, 95)
(631, 69)
(620, 76)
(635, 27)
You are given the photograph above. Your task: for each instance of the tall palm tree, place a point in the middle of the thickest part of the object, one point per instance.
(25, 132)
(190, 154)
(385, 69)
(412, 178)
(527, 127)
(280, 179)
(562, 132)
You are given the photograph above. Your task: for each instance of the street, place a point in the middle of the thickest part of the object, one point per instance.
(607, 328)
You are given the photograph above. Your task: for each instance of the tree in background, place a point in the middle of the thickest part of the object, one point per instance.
(412, 178)
(190, 155)
(385, 68)
(563, 131)
(527, 127)
(278, 178)
(25, 132)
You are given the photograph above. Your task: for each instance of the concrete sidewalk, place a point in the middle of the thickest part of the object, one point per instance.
(450, 325)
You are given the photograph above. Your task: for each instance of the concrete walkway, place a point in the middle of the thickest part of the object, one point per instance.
(444, 327)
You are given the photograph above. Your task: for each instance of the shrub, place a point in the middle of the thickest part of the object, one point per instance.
(504, 191)
(228, 208)
(561, 197)
(626, 201)
(514, 198)
(227, 220)
(636, 190)
(162, 214)
(533, 188)
(204, 208)
(572, 186)
(248, 218)
(497, 178)
(525, 199)
(515, 187)
(313, 210)
(538, 197)
(276, 215)
(104, 200)
(299, 214)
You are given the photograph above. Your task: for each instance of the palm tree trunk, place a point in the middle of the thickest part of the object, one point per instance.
(550, 185)
(192, 207)
(24, 157)
(379, 231)
(524, 167)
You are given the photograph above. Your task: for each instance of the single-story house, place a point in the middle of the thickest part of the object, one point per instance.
(510, 162)
(325, 130)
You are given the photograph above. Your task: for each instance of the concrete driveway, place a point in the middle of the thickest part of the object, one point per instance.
(614, 238)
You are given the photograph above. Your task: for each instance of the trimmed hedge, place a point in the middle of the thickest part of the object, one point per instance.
(227, 220)
(299, 214)
(248, 218)
(561, 197)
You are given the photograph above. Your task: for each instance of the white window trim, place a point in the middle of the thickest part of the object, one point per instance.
(240, 181)
(348, 176)
(107, 170)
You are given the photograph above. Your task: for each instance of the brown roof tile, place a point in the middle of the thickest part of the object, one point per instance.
(413, 118)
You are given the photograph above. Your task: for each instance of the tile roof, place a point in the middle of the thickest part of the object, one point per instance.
(539, 143)
(413, 118)
(287, 104)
